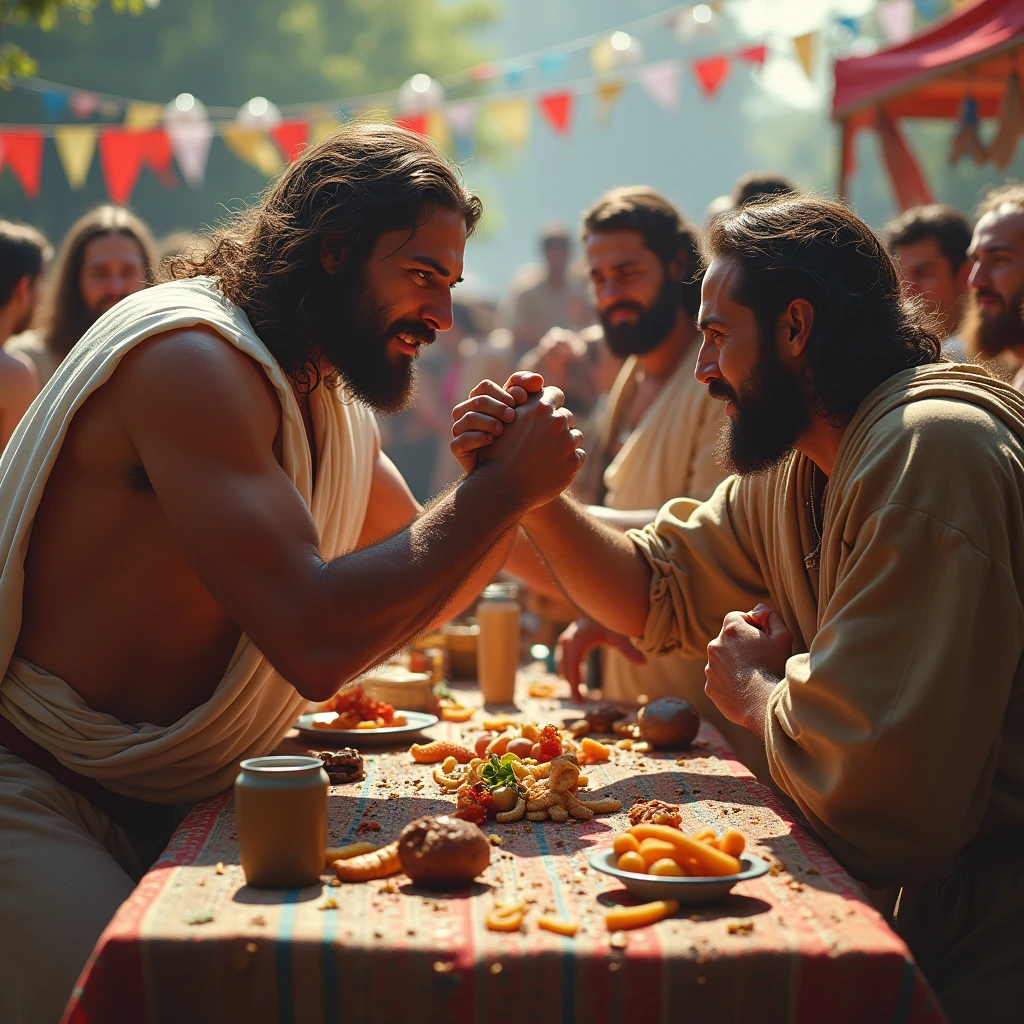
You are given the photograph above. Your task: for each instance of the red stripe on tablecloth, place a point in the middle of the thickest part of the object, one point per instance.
(111, 985)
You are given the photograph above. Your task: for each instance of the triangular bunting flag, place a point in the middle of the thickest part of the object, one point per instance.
(76, 145)
(608, 92)
(84, 104)
(143, 116)
(805, 52)
(414, 122)
(292, 137)
(897, 19)
(928, 8)
(437, 128)
(512, 119)
(53, 103)
(190, 141)
(754, 54)
(252, 146)
(158, 157)
(23, 153)
(552, 63)
(319, 130)
(462, 117)
(711, 72)
(557, 110)
(122, 153)
(661, 80)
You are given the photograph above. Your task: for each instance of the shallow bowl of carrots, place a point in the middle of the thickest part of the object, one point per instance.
(658, 862)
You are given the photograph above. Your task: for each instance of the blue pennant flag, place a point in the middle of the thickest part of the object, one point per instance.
(53, 103)
(851, 24)
(928, 8)
(514, 77)
(552, 63)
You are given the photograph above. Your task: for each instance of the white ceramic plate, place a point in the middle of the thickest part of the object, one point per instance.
(688, 890)
(415, 721)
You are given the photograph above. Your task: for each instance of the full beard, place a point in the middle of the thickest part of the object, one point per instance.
(652, 325)
(770, 414)
(987, 335)
(359, 351)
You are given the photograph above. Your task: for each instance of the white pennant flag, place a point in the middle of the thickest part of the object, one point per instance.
(661, 80)
(462, 117)
(190, 141)
(897, 19)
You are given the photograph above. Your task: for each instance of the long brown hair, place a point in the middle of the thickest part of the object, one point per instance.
(360, 182)
(866, 326)
(67, 317)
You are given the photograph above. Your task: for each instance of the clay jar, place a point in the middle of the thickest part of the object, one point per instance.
(281, 807)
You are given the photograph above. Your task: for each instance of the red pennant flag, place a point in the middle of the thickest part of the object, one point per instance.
(23, 153)
(122, 154)
(158, 157)
(414, 122)
(557, 110)
(754, 54)
(291, 137)
(711, 73)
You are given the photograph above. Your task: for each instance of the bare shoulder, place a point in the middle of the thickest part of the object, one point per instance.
(195, 380)
(18, 378)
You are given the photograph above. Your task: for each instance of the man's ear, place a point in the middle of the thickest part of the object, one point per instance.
(331, 252)
(794, 330)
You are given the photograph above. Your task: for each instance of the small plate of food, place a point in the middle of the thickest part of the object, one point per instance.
(659, 862)
(352, 717)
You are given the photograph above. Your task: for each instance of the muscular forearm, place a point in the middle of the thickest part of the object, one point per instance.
(373, 601)
(526, 565)
(478, 578)
(599, 568)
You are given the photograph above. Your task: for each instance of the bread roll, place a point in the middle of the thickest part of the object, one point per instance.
(669, 722)
(443, 851)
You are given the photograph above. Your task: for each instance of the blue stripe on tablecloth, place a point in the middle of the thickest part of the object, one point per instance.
(568, 955)
(285, 1009)
(902, 1012)
(328, 955)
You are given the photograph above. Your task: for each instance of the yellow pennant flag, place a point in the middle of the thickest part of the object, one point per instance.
(143, 116)
(319, 130)
(511, 118)
(254, 147)
(437, 128)
(76, 145)
(607, 93)
(805, 51)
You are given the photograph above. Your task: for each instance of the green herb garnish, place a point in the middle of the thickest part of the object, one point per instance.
(499, 772)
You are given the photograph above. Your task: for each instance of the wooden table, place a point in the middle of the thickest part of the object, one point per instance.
(195, 944)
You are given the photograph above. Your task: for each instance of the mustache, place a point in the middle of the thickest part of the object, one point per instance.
(985, 293)
(625, 307)
(414, 328)
(720, 390)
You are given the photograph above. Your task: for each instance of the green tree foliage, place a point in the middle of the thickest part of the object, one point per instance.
(225, 52)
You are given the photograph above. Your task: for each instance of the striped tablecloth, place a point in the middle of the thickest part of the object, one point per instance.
(195, 944)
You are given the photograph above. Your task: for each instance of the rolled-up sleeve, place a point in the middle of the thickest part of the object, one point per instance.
(702, 568)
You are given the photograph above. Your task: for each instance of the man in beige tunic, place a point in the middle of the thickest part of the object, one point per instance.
(858, 586)
(202, 534)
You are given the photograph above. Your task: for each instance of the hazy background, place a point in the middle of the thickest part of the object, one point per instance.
(225, 51)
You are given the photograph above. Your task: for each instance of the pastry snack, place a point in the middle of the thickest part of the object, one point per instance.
(342, 765)
(443, 851)
(440, 750)
(669, 722)
(655, 812)
(377, 864)
(664, 850)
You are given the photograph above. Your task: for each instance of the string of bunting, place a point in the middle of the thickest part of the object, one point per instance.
(156, 136)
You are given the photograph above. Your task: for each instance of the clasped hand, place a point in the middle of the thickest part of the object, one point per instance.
(745, 662)
(542, 453)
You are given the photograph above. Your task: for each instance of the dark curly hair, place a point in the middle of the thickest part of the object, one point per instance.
(665, 231)
(361, 181)
(866, 327)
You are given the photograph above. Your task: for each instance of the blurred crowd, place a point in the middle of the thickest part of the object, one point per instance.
(607, 314)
